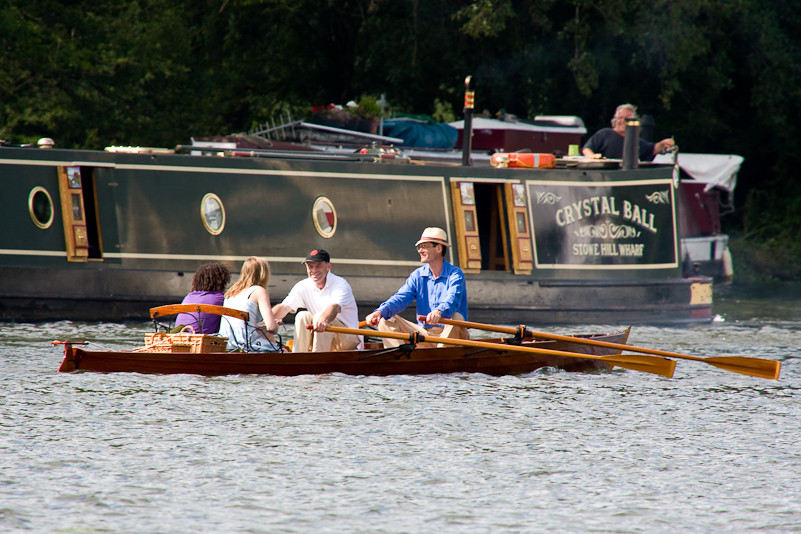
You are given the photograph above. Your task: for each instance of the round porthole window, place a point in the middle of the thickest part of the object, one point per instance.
(213, 214)
(40, 206)
(325, 217)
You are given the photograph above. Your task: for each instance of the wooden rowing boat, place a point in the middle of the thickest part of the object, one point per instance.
(501, 357)
(503, 360)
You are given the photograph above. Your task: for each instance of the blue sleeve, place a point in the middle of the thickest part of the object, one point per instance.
(402, 298)
(455, 293)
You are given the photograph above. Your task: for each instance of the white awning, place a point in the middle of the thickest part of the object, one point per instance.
(715, 170)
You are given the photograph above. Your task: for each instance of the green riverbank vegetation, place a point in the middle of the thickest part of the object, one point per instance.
(766, 240)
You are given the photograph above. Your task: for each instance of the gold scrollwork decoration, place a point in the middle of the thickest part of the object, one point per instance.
(547, 197)
(607, 231)
(659, 197)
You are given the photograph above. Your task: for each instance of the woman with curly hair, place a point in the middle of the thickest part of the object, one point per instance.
(208, 285)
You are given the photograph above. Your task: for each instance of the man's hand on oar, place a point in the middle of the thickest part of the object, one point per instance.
(736, 364)
(646, 364)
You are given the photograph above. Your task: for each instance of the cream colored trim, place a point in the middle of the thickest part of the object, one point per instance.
(636, 266)
(199, 257)
(446, 208)
(659, 181)
(215, 170)
(19, 252)
(273, 259)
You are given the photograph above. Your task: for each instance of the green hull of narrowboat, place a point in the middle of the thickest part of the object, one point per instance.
(100, 235)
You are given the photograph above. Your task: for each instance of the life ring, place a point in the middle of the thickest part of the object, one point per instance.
(526, 160)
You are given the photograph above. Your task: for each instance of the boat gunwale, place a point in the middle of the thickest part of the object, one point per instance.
(374, 361)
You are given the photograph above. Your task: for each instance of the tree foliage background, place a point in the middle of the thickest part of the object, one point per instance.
(722, 76)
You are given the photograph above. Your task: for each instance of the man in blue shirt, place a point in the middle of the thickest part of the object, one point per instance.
(437, 286)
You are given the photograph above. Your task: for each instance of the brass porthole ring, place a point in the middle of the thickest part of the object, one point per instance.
(40, 207)
(212, 213)
(324, 216)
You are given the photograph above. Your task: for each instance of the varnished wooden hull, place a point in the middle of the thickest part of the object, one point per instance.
(503, 361)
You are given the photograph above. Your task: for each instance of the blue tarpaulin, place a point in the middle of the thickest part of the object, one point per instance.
(421, 134)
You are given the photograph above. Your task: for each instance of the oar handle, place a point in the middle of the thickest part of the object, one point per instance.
(359, 332)
(477, 326)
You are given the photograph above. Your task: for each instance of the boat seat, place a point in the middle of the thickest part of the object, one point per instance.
(175, 309)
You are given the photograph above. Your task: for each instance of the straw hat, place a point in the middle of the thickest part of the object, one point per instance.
(435, 235)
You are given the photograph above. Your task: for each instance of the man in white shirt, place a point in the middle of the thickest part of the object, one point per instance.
(328, 300)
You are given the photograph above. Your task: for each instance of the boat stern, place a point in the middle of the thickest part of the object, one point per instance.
(71, 358)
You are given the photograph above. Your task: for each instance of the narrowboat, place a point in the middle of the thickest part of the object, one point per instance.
(102, 235)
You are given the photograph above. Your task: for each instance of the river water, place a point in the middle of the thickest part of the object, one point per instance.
(621, 451)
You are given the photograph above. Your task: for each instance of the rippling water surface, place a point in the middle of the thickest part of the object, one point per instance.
(706, 451)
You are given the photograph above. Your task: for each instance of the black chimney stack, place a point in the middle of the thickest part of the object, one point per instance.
(467, 131)
(631, 145)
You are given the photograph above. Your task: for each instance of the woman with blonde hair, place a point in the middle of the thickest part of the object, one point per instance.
(249, 294)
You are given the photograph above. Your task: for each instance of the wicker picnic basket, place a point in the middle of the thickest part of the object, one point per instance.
(184, 341)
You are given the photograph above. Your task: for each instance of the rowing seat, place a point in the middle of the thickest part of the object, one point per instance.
(175, 309)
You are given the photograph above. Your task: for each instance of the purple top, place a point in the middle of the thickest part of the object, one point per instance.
(210, 321)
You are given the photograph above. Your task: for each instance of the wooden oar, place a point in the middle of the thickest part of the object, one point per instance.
(736, 364)
(635, 362)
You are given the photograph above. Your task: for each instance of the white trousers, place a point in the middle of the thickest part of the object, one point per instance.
(401, 325)
(307, 340)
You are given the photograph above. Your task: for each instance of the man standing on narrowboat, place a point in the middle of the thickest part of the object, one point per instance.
(437, 286)
(329, 300)
(608, 142)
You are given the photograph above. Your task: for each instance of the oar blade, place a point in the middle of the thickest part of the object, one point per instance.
(757, 367)
(647, 364)
(747, 366)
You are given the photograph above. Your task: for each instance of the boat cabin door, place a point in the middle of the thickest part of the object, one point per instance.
(492, 227)
(79, 213)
